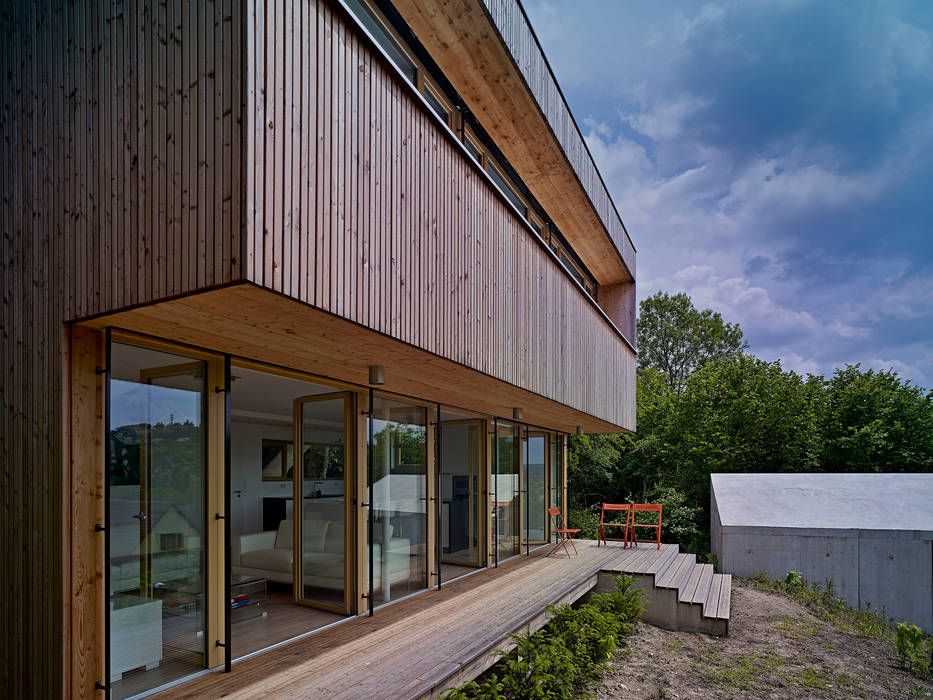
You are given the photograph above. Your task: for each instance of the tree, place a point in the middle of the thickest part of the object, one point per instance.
(874, 421)
(677, 339)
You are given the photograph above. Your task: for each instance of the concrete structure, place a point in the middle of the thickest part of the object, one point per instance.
(870, 534)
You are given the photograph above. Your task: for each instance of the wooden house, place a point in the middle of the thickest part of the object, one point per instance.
(327, 281)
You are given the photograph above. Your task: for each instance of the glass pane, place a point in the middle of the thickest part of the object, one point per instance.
(506, 511)
(461, 512)
(536, 493)
(383, 37)
(157, 472)
(399, 499)
(264, 608)
(556, 484)
(323, 540)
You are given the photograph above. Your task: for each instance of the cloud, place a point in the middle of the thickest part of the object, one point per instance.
(771, 160)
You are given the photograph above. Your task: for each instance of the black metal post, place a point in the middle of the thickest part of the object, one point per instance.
(369, 460)
(228, 647)
(525, 449)
(437, 494)
(495, 485)
(107, 467)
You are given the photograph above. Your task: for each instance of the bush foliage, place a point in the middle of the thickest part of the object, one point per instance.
(564, 656)
(736, 413)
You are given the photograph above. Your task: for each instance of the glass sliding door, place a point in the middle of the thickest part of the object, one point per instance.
(321, 532)
(157, 482)
(556, 474)
(535, 463)
(289, 557)
(506, 495)
(462, 518)
(399, 499)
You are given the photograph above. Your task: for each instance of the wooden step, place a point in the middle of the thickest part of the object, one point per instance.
(680, 580)
(725, 597)
(637, 558)
(702, 590)
(675, 572)
(685, 594)
(711, 606)
(647, 563)
(661, 565)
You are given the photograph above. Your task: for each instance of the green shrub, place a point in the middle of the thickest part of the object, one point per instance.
(822, 601)
(909, 645)
(560, 659)
(586, 519)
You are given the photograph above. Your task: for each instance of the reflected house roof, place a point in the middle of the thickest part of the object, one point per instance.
(124, 527)
(400, 493)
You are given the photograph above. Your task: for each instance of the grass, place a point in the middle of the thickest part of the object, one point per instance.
(743, 673)
(794, 627)
(822, 601)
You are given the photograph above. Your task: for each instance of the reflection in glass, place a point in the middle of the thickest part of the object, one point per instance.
(557, 490)
(399, 499)
(157, 472)
(461, 513)
(278, 460)
(323, 518)
(536, 488)
(506, 510)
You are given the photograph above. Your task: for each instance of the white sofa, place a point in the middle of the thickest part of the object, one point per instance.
(271, 554)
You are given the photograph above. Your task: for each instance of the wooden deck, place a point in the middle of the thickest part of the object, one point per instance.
(421, 645)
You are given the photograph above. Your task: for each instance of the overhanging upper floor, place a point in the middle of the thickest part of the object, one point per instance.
(489, 52)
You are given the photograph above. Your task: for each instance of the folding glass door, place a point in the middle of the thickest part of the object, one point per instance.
(535, 450)
(506, 490)
(461, 501)
(322, 510)
(156, 525)
(398, 493)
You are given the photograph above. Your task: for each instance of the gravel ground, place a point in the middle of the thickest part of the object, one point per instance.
(775, 649)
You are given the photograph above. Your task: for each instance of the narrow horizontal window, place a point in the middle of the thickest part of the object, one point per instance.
(436, 105)
(384, 38)
(506, 188)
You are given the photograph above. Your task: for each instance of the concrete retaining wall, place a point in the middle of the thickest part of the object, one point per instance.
(865, 567)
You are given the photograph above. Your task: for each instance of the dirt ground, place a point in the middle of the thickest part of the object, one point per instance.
(775, 649)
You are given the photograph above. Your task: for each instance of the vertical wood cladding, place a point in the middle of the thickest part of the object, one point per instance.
(120, 127)
(360, 204)
(518, 37)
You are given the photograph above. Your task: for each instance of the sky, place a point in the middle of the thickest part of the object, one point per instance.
(773, 160)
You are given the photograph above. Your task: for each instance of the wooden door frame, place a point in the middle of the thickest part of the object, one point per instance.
(546, 435)
(480, 423)
(349, 502)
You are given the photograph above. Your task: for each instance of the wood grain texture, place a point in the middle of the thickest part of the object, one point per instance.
(241, 319)
(120, 143)
(411, 239)
(488, 52)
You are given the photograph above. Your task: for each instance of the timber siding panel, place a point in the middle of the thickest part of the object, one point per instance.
(120, 143)
(509, 18)
(432, 213)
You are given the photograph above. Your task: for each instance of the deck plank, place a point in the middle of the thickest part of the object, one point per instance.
(725, 597)
(410, 648)
(706, 578)
(711, 606)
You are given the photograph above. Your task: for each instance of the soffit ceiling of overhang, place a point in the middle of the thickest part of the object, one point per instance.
(468, 50)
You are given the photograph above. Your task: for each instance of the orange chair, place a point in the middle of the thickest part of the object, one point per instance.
(646, 508)
(564, 534)
(610, 508)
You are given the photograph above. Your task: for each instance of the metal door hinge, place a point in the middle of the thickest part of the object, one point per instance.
(99, 528)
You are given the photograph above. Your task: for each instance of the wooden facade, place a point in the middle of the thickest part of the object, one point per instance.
(121, 151)
(157, 150)
(361, 204)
